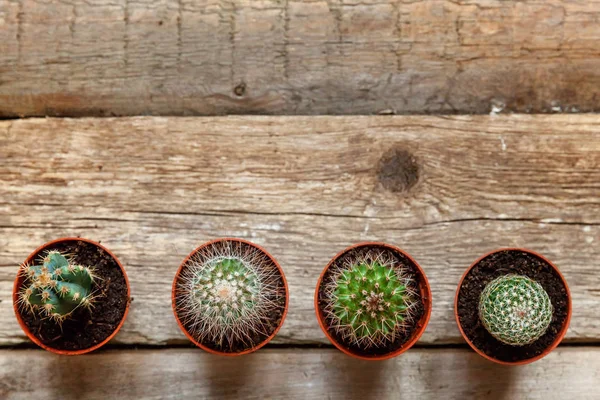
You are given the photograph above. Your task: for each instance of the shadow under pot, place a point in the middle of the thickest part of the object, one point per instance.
(513, 306)
(230, 297)
(71, 296)
(373, 301)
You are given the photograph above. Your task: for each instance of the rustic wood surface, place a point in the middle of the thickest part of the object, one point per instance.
(445, 189)
(294, 374)
(184, 57)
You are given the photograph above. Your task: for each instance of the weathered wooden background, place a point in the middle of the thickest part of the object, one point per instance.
(153, 188)
(190, 57)
(446, 188)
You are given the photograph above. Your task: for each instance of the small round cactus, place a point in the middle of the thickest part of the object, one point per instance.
(226, 290)
(370, 300)
(227, 295)
(56, 287)
(515, 309)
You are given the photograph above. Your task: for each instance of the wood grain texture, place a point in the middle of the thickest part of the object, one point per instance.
(445, 189)
(294, 374)
(187, 57)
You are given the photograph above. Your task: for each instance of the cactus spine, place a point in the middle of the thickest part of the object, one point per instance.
(370, 300)
(227, 295)
(515, 309)
(56, 287)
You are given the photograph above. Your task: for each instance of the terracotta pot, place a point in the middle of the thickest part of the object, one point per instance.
(19, 281)
(421, 324)
(558, 338)
(190, 337)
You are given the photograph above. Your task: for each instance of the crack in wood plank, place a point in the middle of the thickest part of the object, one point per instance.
(126, 38)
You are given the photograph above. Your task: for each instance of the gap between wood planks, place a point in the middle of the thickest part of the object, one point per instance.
(288, 346)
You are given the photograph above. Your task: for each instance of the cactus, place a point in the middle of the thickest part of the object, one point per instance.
(370, 300)
(515, 309)
(57, 287)
(227, 295)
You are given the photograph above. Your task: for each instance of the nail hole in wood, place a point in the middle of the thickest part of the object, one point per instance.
(240, 89)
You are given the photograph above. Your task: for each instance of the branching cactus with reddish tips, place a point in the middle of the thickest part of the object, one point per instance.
(370, 301)
(57, 287)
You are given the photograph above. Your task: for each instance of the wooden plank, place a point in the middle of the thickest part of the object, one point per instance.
(152, 188)
(169, 57)
(293, 374)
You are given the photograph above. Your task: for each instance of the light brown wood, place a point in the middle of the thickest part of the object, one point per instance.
(294, 374)
(184, 57)
(152, 189)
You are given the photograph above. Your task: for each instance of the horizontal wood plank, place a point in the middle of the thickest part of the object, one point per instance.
(446, 189)
(183, 57)
(294, 374)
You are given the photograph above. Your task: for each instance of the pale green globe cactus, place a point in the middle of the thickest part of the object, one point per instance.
(226, 290)
(56, 287)
(370, 301)
(226, 296)
(515, 309)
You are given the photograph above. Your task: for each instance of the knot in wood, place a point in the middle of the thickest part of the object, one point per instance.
(398, 170)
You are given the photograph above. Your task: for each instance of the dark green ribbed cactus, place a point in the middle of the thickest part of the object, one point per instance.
(57, 287)
(515, 309)
(370, 301)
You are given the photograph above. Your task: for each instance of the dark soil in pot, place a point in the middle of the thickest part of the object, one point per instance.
(503, 263)
(403, 336)
(84, 329)
(276, 296)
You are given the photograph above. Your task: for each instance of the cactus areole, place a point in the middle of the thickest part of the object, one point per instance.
(513, 306)
(73, 294)
(230, 297)
(369, 300)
